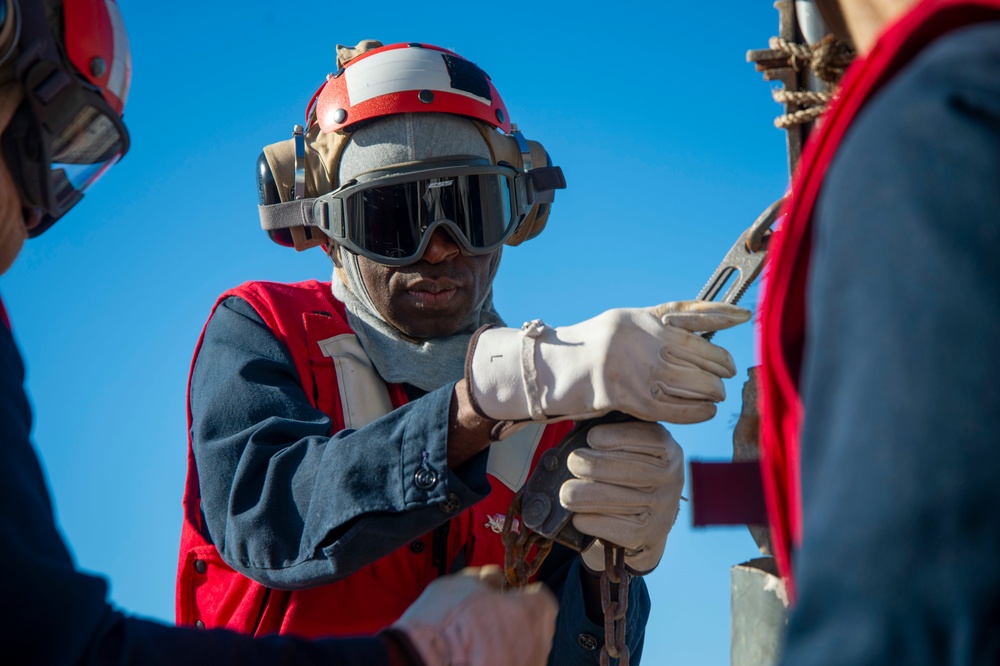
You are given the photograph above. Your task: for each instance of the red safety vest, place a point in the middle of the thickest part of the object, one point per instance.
(783, 305)
(211, 594)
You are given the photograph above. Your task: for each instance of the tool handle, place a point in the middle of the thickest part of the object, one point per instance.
(541, 510)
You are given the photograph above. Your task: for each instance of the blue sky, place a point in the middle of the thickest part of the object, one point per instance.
(664, 133)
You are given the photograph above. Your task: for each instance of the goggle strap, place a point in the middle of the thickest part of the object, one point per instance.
(302, 213)
(288, 214)
(545, 181)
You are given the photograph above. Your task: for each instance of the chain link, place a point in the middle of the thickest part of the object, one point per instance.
(614, 611)
(518, 541)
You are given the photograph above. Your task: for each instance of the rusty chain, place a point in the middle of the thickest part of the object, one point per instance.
(614, 611)
(517, 544)
(518, 541)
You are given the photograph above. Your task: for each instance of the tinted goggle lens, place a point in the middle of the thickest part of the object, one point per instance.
(82, 151)
(390, 221)
(91, 137)
(75, 155)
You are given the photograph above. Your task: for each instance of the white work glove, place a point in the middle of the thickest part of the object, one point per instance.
(627, 491)
(647, 362)
(465, 620)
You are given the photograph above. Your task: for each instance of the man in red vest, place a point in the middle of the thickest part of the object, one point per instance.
(64, 76)
(353, 440)
(880, 392)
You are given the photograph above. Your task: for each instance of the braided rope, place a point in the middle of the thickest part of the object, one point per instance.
(801, 97)
(800, 53)
(799, 117)
(828, 59)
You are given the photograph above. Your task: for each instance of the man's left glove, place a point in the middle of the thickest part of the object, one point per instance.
(465, 619)
(627, 491)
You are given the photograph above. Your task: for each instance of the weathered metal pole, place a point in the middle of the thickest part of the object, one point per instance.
(759, 610)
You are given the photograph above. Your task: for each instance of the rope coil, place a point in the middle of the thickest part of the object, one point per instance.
(828, 59)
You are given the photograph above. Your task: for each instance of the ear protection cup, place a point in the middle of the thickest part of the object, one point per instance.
(505, 148)
(267, 194)
(276, 179)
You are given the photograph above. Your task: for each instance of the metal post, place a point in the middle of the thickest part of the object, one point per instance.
(759, 613)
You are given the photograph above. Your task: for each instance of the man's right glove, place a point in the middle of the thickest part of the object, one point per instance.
(647, 362)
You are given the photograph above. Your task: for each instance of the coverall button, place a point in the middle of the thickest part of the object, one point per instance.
(417, 546)
(452, 504)
(199, 624)
(587, 642)
(425, 478)
(200, 566)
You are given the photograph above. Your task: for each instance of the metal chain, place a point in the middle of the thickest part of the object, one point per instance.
(518, 541)
(614, 611)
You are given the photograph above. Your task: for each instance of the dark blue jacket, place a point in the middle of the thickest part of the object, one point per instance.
(53, 614)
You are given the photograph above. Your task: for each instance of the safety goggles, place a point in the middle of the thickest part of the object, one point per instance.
(62, 137)
(389, 216)
(57, 158)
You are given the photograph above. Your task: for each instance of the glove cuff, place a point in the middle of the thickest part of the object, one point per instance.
(593, 560)
(501, 373)
(500, 429)
(592, 557)
(401, 650)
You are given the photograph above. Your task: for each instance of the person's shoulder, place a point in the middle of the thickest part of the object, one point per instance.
(278, 289)
(939, 115)
(287, 301)
(959, 72)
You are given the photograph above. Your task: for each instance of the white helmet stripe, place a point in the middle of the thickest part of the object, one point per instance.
(399, 70)
(121, 63)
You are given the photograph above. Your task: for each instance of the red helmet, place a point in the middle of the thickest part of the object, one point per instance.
(75, 73)
(97, 45)
(406, 78)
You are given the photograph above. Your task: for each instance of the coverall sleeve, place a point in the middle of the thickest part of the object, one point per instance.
(285, 503)
(900, 559)
(578, 640)
(54, 614)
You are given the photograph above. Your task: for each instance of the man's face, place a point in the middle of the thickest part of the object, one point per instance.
(432, 297)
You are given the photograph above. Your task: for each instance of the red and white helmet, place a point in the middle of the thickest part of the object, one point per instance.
(75, 74)
(97, 45)
(406, 78)
(299, 178)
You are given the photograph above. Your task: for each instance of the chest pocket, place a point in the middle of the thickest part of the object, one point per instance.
(364, 397)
